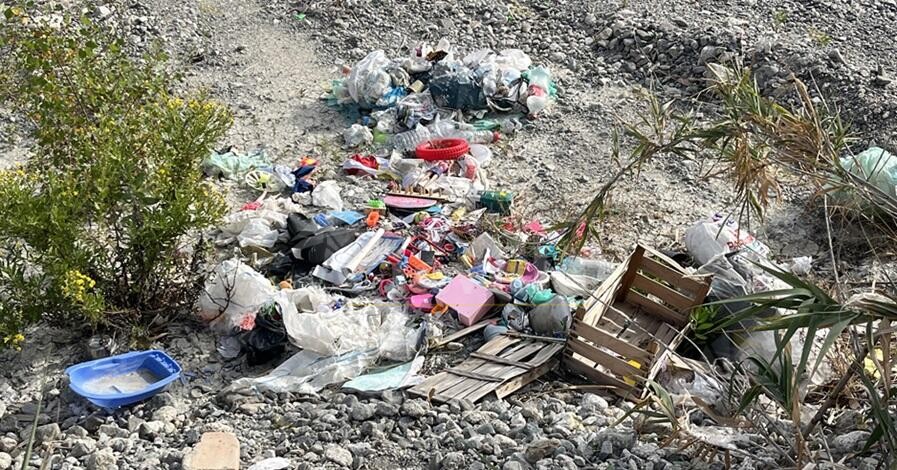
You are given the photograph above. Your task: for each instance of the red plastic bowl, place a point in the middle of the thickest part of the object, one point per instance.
(442, 149)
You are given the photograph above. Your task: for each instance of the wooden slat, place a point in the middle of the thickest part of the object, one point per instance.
(632, 267)
(599, 377)
(474, 375)
(670, 296)
(500, 360)
(520, 381)
(617, 345)
(614, 364)
(670, 275)
(662, 311)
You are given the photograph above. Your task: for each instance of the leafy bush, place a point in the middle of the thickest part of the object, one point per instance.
(102, 224)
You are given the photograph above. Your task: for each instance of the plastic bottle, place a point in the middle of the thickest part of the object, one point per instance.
(594, 268)
(539, 83)
(452, 129)
(407, 141)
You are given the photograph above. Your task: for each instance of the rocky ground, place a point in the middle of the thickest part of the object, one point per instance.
(268, 60)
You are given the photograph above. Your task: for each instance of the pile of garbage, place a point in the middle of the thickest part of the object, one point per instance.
(434, 254)
(351, 286)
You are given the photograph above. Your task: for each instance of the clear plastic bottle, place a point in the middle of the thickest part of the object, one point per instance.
(594, 268)
(456, 130)
(409, 140)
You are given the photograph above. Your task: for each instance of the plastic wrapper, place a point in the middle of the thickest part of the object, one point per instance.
(398, 342)
(233, 295)
(719, 236)
(308, 372)
(335, 332)
(414, 108)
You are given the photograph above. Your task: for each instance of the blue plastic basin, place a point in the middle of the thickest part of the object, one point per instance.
(121, 380)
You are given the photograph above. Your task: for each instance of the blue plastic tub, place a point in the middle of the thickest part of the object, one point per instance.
(121, 380)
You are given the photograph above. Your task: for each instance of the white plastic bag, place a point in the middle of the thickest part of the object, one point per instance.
(257, 233)
(326, 194)
(233, 295)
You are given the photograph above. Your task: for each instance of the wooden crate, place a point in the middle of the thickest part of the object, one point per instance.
(622, 334)
(503, 365)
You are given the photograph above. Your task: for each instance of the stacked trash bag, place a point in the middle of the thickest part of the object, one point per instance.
(354, 287)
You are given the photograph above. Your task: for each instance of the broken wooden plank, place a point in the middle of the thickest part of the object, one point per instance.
(635, 261)
(602, 338)
(474, 375)
(618, 386)
(522, 380)
(500, 360)
(461, 333)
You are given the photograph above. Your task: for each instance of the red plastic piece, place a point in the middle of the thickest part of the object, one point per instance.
(442, 149)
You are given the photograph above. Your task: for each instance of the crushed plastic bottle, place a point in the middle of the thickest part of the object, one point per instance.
(539, 84)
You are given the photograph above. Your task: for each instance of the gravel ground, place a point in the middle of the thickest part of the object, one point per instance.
(268, 61)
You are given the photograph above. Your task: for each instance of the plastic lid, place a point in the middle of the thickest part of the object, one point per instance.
(442, 149)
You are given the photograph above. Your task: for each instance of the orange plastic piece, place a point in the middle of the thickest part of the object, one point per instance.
(373, 219)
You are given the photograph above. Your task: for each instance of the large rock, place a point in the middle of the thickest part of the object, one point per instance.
(45, 433)
(5, 461)
(215, 451)
(338, 455)
(414, 408)
(102, 459)
(541, 448)
(165, 414)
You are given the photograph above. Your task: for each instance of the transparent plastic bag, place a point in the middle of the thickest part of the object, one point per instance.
(369, 80)
(356, 135)
(308, 372)
(233, 295)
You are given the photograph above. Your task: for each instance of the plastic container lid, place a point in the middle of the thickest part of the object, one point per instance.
(442, 149)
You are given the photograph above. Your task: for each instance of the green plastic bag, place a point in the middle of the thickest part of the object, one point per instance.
(875, 165)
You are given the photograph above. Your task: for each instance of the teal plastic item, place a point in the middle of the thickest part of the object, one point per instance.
(875, 165)
(232, 165)
(116, 381)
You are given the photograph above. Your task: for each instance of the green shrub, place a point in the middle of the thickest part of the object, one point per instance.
(102, 225)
